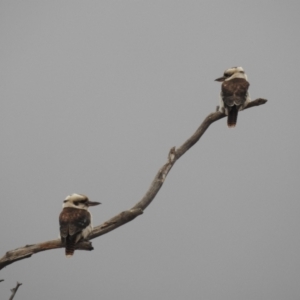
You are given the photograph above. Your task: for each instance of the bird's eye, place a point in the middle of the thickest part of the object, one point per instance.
(76, 203)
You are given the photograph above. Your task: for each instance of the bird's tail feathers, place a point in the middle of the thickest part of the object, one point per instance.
(70, 246)
(232, 117)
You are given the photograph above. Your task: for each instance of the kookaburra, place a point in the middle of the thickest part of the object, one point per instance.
(75, 221)
(234, 93)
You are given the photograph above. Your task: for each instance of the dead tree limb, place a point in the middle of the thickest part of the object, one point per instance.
(14, 290)
(125, 216)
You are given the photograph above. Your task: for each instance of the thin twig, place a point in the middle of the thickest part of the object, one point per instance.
(14, 290)
(125, 216)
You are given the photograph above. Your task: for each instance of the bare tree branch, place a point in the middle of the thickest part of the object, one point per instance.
(14, 290)
(125, 216)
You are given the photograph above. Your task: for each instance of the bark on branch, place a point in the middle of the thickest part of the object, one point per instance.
(125, 216)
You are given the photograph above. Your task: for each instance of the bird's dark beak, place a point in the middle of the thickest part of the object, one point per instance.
(221, 79)
(90, 203)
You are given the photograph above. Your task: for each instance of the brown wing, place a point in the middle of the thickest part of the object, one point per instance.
(73, 220)
(235, 91)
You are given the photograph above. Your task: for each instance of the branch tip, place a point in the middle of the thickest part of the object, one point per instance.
(14, 290)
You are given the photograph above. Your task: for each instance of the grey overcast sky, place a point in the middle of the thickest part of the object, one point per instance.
(93, 96)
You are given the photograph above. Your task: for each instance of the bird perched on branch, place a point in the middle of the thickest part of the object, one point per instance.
(75, 221)
(234, 93)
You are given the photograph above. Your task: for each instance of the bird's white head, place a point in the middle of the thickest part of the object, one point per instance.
(78, 201)
(234, 72)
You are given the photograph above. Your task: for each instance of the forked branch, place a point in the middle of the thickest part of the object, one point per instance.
(125, 216)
